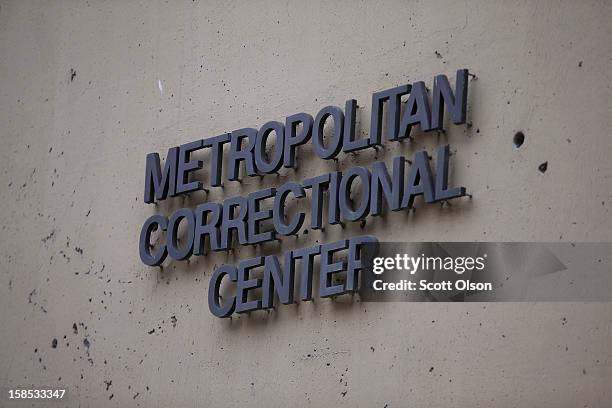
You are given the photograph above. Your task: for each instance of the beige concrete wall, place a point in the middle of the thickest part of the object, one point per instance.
(88, 88)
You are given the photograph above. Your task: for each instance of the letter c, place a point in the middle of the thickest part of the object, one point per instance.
(279, 209)
(144, 246)
(376, 284)
(213, 291)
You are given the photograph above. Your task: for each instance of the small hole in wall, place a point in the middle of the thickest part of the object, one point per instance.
(518, 139)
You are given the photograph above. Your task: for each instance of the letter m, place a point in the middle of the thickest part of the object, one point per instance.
(158, 186)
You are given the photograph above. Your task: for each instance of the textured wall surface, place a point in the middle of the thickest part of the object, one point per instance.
(87, 89)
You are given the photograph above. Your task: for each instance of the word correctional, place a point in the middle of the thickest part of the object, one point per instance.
(281, 280)
(217, 223)
(339, 196)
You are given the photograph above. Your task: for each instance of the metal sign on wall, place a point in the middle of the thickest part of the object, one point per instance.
(238, 220)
